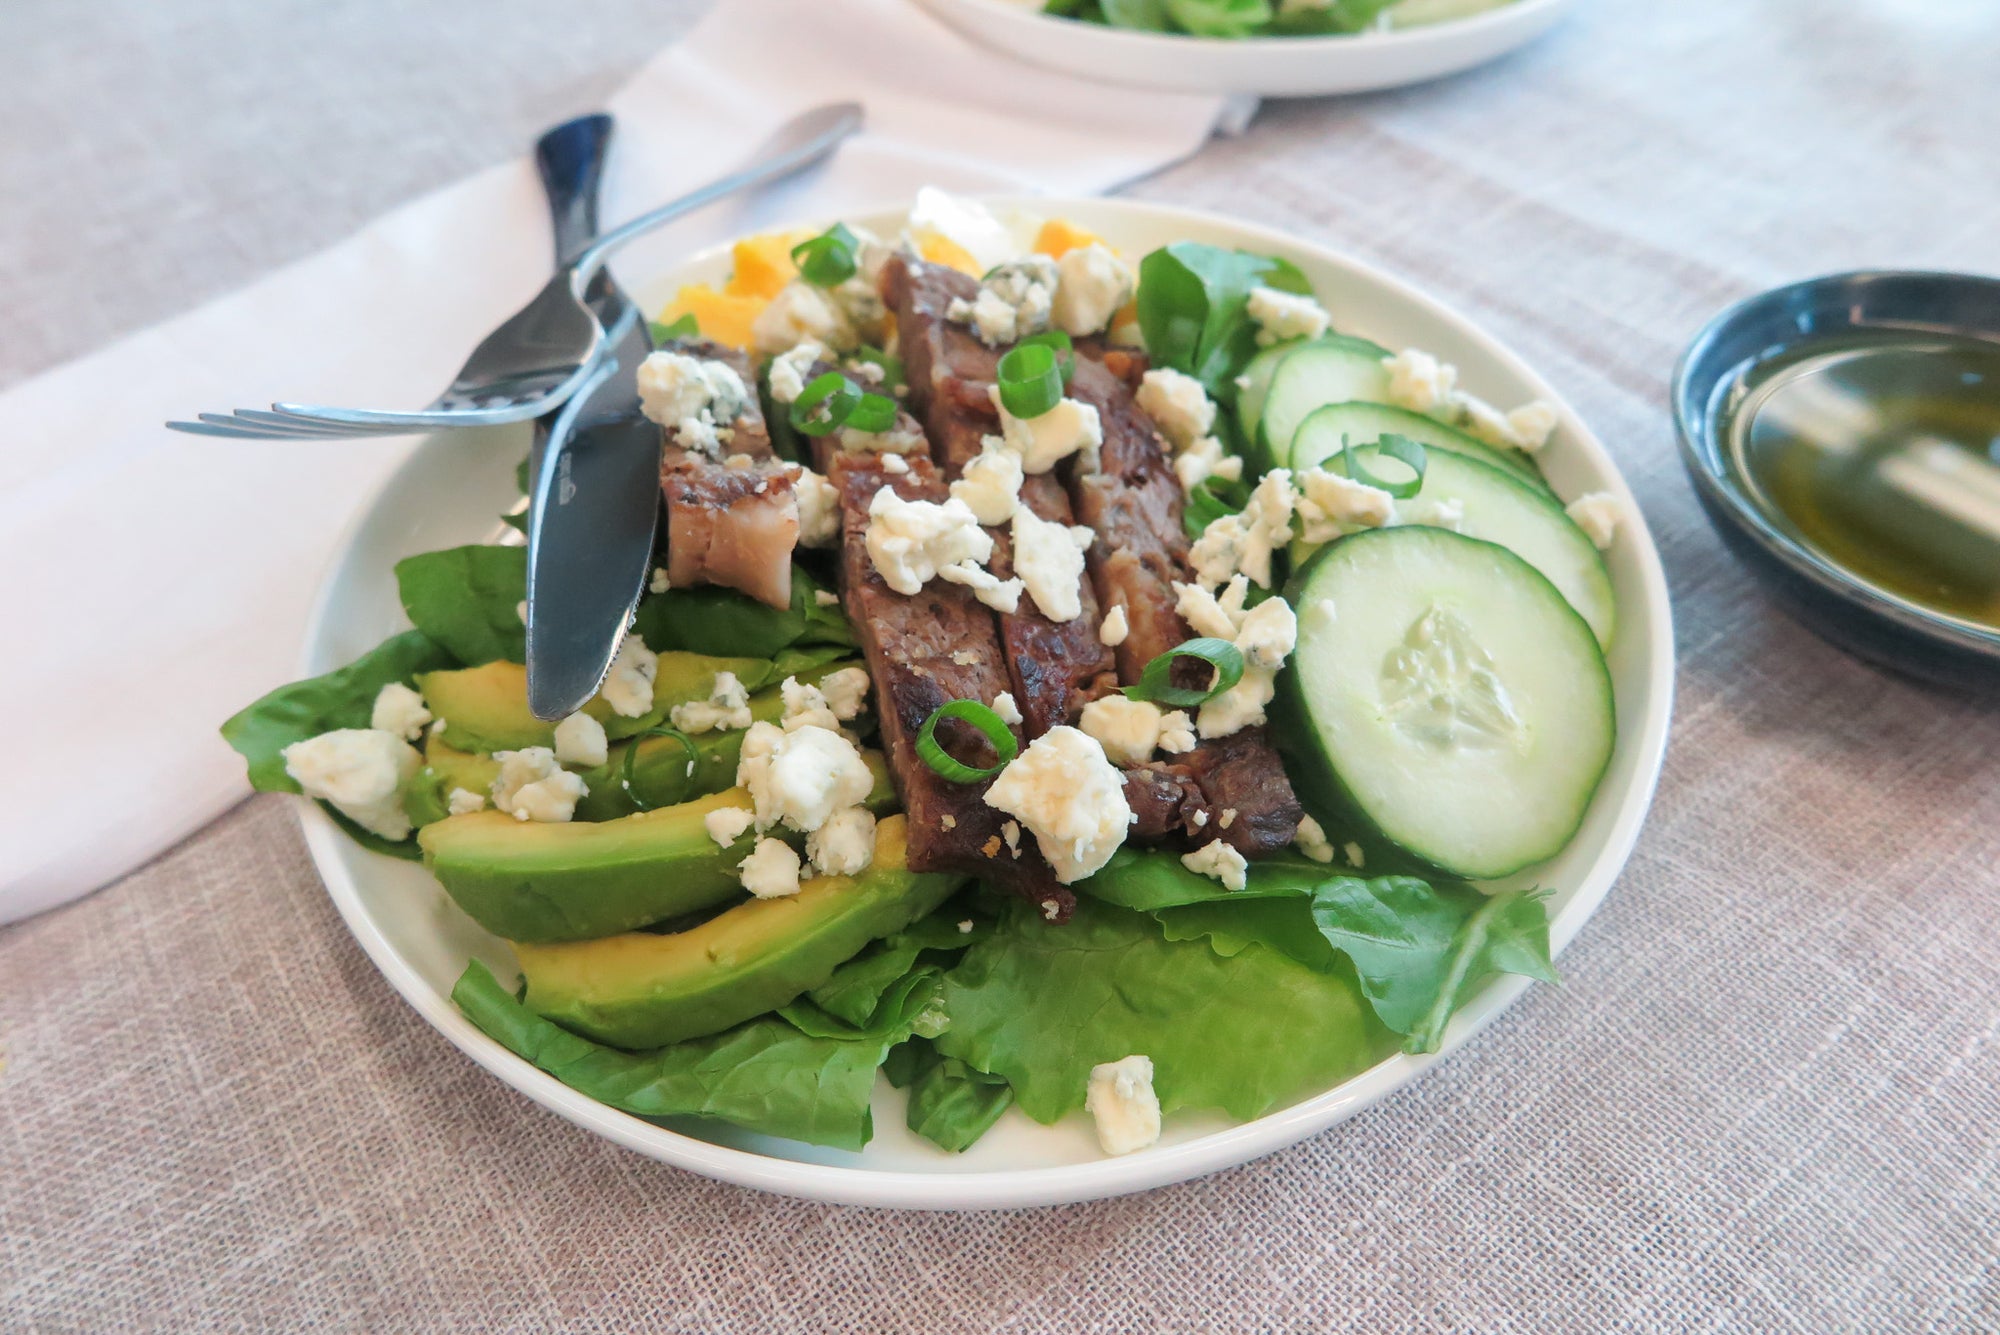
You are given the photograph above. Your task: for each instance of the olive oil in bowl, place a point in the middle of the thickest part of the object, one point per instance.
(1880, 451)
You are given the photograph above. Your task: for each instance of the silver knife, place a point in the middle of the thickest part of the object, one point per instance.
(594, 491)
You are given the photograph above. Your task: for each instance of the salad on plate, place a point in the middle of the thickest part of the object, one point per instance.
(1261, 18)
(1071, 680)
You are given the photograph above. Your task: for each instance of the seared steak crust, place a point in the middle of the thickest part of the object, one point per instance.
(924, 651)
(736, 527)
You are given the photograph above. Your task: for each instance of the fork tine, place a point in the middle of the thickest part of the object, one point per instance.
(296, 423)
(244, 432)
(274, 430)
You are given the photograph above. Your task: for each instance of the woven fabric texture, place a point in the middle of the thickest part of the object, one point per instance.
(1767, 1099)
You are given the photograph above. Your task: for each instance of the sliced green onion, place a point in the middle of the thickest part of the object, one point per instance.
(627, 772)
(873, 412)
(1031, 382)
(892, 367)
(931, 751)
(828, 260)
(825, 404)
(1060, 342)
(1156, 682)
(1400, 448)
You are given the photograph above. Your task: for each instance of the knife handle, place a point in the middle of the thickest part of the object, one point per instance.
(571, 160)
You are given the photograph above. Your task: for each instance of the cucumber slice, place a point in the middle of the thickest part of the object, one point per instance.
(1285, 383)
(1500, 508)
(1318, 438)
(1445, 698)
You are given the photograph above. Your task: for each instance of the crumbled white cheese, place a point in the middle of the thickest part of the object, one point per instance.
(900, 439)
(1311, 840)
(819, 510)
(1285, 315)
(1352, 852)
(1525, 428)
(1128, 730)
(696, 398)
(910, 540)
(990, 485)
(628, 686)
(1043, 442)
(1421, 383)
(1015, 300)
(361, 772)
(400, 710)
(1064, 790)
(659, 583)
(1048, 559)
(1203, 460)
(1239, 707)
(801, 313)
(1177, 732)
(532, 786)
(725, 825)
(846, 691)
(1178, 405)
(772, 870)
(463, 801)
(1002, 595)
(894, 463)
(845, 845)
(1006, 710)
(580, 740)
(1244, 542)
(965, 927)
(825, 598)
(800, 778)
(1217, 616)
(1010, 831)
(805, 707)
(1597, 513)
(1331, 505)
(727, 708)
(1218, 861)
(1111, 632)
(1122, 1102)
(1532, 424)
(1093, 287)
(1267, 634)
(791, 370)
(1424, 510)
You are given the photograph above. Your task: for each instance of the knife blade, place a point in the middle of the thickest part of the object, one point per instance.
(594, 472)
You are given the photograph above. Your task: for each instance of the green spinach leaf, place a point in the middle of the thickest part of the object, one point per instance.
(1142, 15)
(712, 620)
(343, 698)
(1219, 18)
(468, 599)
(1193, 309)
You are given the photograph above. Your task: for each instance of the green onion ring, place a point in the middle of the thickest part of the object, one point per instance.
(626, 772)
(1058, 340)
(1400, 448)
(1155, 683)
(872, 412)
(1030, 381)
(828, 260)
(932, 752)
(834, 392)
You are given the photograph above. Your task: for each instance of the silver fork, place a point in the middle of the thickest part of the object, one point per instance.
(543, 353)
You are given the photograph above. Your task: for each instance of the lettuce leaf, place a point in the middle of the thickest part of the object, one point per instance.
(857, 987)
(767, 1075)
(468, 599)
(950, 1104)
(1193, 309)
(1219, 18)
(343, 698)
(708, 619)
(1039, 1005)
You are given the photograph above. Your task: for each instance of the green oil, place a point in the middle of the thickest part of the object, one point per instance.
(1882, 454)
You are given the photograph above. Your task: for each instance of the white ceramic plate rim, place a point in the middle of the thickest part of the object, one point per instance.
(1517, 14)
(1161, 1165)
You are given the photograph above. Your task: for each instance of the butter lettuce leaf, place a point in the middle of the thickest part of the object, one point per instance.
(1039, 1004)
(950, 1104)
(468, 599)
(766, 1075)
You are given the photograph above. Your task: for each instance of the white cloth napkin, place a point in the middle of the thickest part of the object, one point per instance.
(158, 582)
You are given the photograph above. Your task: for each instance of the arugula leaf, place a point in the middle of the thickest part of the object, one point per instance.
(1142, 15)
(468, 599)
(1039, 1005)
(1219, 18)
(713, 620)
(1193, 309)
(766, 1075)
(1420, 948)
(343, 698)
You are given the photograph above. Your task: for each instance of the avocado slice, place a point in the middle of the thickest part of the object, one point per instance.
(528, 881)
(642, 990)
(485, 708)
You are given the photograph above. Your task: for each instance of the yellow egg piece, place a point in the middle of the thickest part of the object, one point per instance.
(940, 249)
(764, 264)
(1057, 238)
(722, 316)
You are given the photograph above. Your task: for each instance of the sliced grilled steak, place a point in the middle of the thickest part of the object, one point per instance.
(922, 652)
(1056, 667)
(733, 526)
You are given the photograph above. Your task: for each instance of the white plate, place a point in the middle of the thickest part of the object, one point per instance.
(1265, 66)
(455, 484)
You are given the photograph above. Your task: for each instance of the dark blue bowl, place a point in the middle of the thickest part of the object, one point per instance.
(1846, 610)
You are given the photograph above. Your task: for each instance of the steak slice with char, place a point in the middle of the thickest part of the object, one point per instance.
(922, 651)
(736, 526)
(1056, 667)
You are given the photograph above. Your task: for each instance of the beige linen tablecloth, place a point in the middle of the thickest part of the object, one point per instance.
(1765, 1100)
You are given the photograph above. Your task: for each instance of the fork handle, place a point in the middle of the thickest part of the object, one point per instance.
(570, 159)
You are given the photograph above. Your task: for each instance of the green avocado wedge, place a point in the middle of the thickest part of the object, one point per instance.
(644, 990)
(528, 881)
(485, 708)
